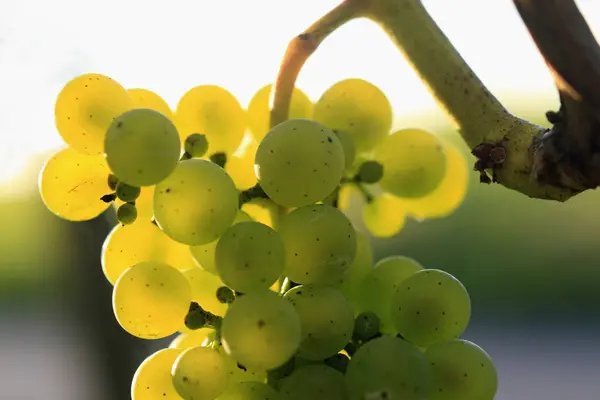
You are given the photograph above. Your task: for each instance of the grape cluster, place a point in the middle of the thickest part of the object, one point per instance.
(242, 248)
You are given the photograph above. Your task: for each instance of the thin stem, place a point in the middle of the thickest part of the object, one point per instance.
(301, 48)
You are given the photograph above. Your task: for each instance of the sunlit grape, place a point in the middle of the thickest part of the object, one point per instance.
(144, 98)
(204, 289)
(191, 338)
(384, 216)
(152, 380)
(200, 373)
(85, 108)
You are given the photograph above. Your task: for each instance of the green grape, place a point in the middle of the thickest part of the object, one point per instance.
(359, 108)
(461, 371)
(204, 254)
(127, 193)
(196, 203)
(384, 216)
(128, 245)
(200, 373)
(143, 204)
(351, 282)
(151, 299)
(430, 306)
(320, 244)
(142, 147)
(144, 98)
(448, 195)
(85, 108)
(388, 368)
(250, 256)
(152, 380)
(315, 382)
(216, 113)
(204, 290)
(261, 330)
(414, 163)
(378, 288)
(193, 338)
(249, 391)
(71, 185)
(196, 145)
(126, 214)
(366, 326)
(299, 162)
(370, 172)
(327, 320)
(113, 181)
(259, 110)
(225, 295)
(349, 147)
(241, 373)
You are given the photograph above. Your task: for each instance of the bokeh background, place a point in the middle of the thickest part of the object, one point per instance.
(531, 266)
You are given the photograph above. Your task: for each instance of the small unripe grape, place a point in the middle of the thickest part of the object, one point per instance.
(370, 172)
(127, 214)
(127, 192)
(112, 181)
(196, 145)
(366, 326)
(225, 295)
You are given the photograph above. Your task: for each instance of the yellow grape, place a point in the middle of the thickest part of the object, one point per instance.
(85, 108)
(71, 185)
(241, 170)
(152, 380)
(200, 373)
(449, 194)
(143, 204)
(213, 111)
(358, 108)
(414, 163)
(204, 289)
(142, 147)
(191, 338)
(259, 110)
(151, 300)
(385, 216)
(262, 210)
(144, 98)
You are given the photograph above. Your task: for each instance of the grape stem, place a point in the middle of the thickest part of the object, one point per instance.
(531, 166)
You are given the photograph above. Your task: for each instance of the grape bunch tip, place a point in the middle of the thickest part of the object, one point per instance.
(249, 253)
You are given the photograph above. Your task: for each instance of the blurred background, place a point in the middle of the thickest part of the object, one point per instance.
(530, 266)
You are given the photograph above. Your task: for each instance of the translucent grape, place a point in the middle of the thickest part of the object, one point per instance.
(126, 214)
(204, 254)
(261, 330)
(431, 306)
(192, 338)
(204, 289)
(196, 145)
(327, 320)
(384, 216)
(151, 300)
(259, 110)
(262, 210)
(370, 172)
(388, 368)
(380, 285)
(320, 244)
(142, 147)
(250, 256)
(71, 185)
(414, 163)
(299, 162)
(350, 284)
(200, 373)
(348, 145)
(448, 195)
(214, 112)
(249, 391)
(461, 371)
(196, 203)
(127, 192)
(152, 380)
(241, 170)
(359, 108)
(85, 108)
(144, 98)
(143, 204)
(315, 382)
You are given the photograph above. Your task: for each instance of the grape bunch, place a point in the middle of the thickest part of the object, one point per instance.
(234, 237)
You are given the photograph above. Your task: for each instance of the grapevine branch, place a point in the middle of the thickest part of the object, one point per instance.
(551, 164)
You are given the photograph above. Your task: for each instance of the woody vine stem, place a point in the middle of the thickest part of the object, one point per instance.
(538, 162)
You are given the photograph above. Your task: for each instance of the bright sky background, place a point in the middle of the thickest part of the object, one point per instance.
(171, 46)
